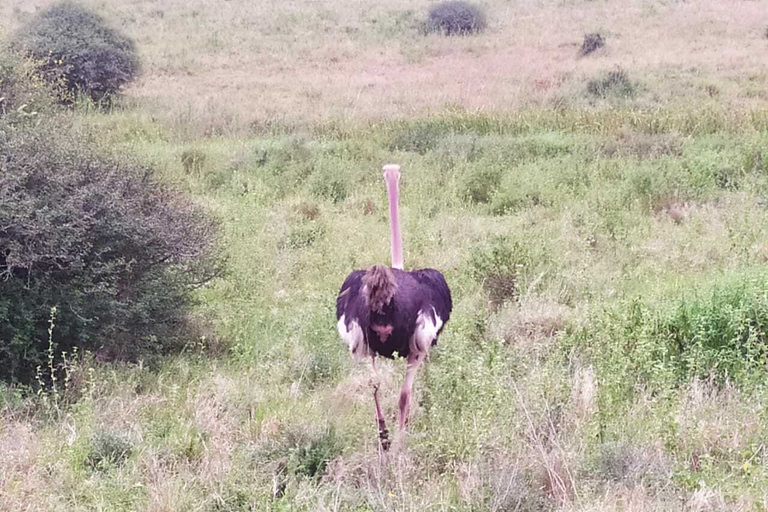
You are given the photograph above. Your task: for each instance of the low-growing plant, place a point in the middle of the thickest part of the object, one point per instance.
(302, 452)
(658, 341)
(107, 449)
(498, 265)
(592, 42)
(615, 83)
(79, 52)
(480, 184)
(455, 17)
(417, 138)
(23, 92)
(193, 160)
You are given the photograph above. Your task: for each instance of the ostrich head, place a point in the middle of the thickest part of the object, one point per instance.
(392, 178)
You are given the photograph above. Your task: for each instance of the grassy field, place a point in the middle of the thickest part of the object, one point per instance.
(606, 250)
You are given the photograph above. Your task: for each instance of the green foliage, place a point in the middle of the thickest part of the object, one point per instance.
(107, 449)
(499, 265)
(96, 236)
(23, 92)
(715, 331)
(303, 452)
(415, 138)
(480, 184)
(193, 160)
(613, 84)
(455, 17)
(78, 51)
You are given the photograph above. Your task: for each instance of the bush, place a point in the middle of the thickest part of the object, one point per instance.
(592, 43)
(95, 236)
(417, 138)
(499, 267)
(479, 185)
(79, 52)
(615, 83)
(455, 18)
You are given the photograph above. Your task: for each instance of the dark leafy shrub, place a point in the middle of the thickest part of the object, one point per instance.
(78, 51)
(592, 43)
(615, 83)
(23, 92)
(107, 449)
(455, 17)
(94, 235)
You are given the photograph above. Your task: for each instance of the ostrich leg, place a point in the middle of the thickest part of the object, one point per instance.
(414, 361)
(380, 422)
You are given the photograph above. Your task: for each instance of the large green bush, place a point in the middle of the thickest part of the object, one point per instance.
(78, 51)
(94, 235)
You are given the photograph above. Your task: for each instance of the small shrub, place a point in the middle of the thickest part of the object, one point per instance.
(515, 199)
(79, 52)
(418, 138)
(622, 462)
(107, 449)
(333, 188)
(302, 451)
(592, 43)
(455, 17)
(615, 83)
(481, 183)
(302, 236)
(498, 266)
(193, 160)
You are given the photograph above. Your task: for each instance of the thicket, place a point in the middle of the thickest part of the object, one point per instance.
(91, 233)
(78, 51)
(715, 331)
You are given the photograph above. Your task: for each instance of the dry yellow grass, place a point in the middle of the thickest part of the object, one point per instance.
(242, 62)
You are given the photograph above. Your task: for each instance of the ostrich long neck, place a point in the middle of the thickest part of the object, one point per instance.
(392, 177)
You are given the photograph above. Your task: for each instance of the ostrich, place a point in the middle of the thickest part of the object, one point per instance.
(386, 311)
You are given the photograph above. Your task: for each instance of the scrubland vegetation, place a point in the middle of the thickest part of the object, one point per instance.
(600, 211)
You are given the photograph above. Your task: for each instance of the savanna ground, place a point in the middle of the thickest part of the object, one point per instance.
(605, 236)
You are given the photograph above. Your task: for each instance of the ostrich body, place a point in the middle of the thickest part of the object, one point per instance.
(389, 312)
